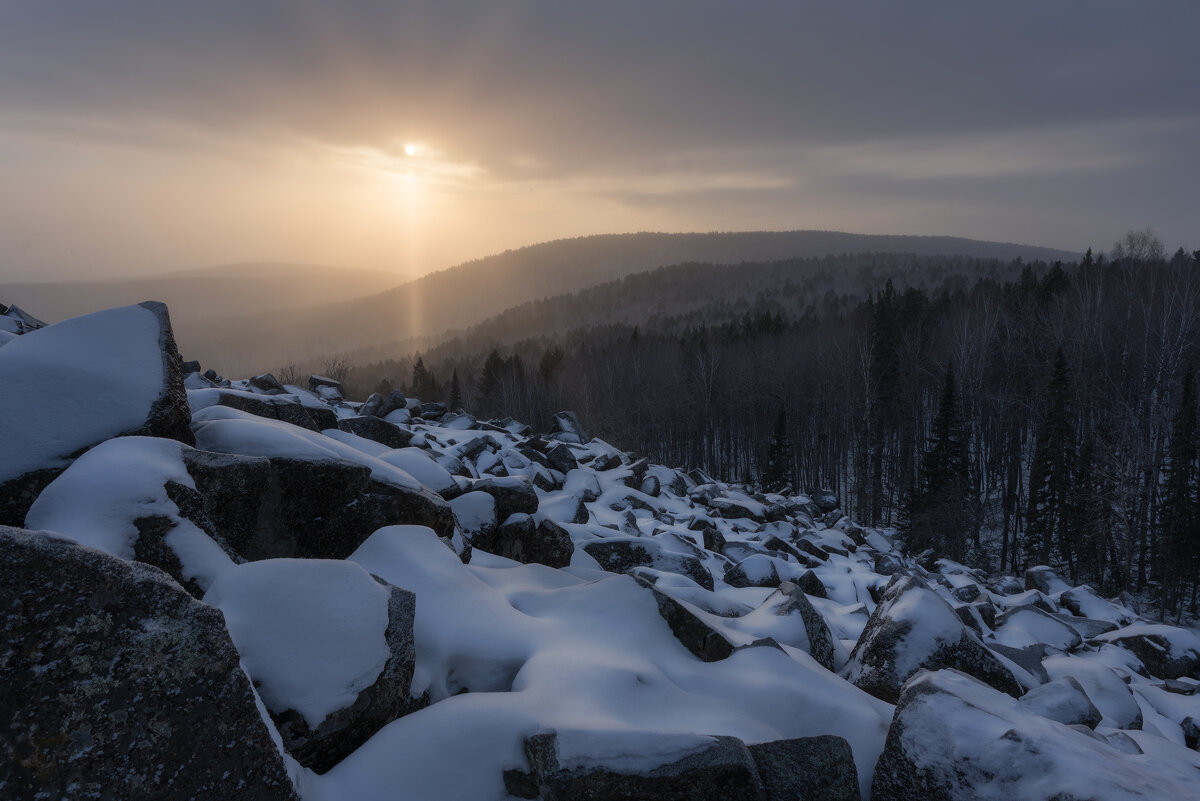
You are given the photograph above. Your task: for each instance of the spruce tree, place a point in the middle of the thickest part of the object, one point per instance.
(1049, 519)
(455, 399)
(940, 510)
(778, 475)
(1180, 545)
(489, 385)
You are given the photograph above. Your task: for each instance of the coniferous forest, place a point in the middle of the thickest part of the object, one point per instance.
(1002, 414)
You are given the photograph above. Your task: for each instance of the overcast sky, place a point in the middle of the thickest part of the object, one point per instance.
(140, 137)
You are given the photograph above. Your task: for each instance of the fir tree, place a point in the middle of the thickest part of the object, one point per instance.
(1180, 533)
(778, 475)
(455, 399)
(940, 510)
(1050, 476)
(489, 385)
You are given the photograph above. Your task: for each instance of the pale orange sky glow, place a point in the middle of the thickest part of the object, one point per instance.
(141, 138)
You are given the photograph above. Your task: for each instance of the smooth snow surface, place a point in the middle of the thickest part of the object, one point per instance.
(310, 631)
(76, 383)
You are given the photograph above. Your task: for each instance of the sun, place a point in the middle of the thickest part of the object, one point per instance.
(410, 150)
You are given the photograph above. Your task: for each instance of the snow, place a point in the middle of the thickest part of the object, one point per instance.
(76, 383)
(97, 499)
(1028, 625)
(310, 631)
(1110, 695)
(226, 430)
(1180, 642)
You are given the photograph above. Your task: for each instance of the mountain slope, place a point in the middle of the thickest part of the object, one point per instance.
(438, 302)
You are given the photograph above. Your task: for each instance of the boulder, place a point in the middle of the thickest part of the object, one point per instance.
(1083, 602)
(316, 382)
(1044, 580)
(287, 409)
(513, 495)
(568, 429)
(911, 629)
(561, 458)
(378, 405)
(812, 768)
(74, 384)
(1168, 652)
(953, 738)
(376, 430)
(825, 500)
(1063, 700)
(265, 508)
(706, 643)
(576, 765)
(329, 646)
(623, 554)
(811, 585)
(887, 564)
(1103, 687)
(1020, 626)
(820, 639)
(118, 684)
(266, 383)
(521, 539)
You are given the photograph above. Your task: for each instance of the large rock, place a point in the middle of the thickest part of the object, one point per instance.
(330, 648)
(118, 684)
(513, 495)
(1063, 700)
(706, 643)
(272, 407)
(278, 507)
(1023, 626)
(577, 765)
(812, 768)
(623, 554)
(820, 639)
(954, 738)
(77, 383)
(521, 539)
(1168, 652)
(914, 628)
(381, 431)
(568, 429)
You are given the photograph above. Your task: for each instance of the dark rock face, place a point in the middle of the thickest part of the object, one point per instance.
(340, 733)
(377, 430)
(811, 585)
(519, 538)
(266, 508)
(914, 628)
(825, 500)
(378, 405)
(119, 685)
(267, 383)
(1044, 580)
(812, 768)
(561, 458)
(820, 639)
(716, 769)
(887, 565)
(695, 635)
(568, 429)
(315, 382)
(513, 495)
(621, 555)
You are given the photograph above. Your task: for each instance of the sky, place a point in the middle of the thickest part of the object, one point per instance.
(144, 137)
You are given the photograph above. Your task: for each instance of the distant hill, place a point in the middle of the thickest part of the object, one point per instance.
(200, 294)
(471, 292)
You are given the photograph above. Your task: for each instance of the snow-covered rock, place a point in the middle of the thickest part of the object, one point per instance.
(74, 384)
(1168, 652)
(911, 629)
(954, 737)
(329, 647)
(119, 684)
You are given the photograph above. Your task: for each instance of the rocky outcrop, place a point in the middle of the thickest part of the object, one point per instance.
(623, 554)
(74, 384)
(911, 629)
(118, 684)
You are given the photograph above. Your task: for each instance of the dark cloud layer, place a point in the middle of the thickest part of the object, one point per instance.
(845, 98)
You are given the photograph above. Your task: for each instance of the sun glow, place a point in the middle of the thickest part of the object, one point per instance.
(410, 150)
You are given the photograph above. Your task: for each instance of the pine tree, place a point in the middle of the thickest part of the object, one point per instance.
(455, 399)
(1051, 474)
(778, 475)
(420, 380)
(940, 510)
(489, 385)
(1180, 521)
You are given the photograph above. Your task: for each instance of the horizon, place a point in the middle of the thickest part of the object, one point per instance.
(413, 139)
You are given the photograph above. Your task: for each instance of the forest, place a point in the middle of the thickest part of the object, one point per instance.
(1004, 414)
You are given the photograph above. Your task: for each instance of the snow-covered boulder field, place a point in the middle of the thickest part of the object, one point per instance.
(250, 590)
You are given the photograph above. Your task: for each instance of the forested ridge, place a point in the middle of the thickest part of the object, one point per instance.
(1002, 413)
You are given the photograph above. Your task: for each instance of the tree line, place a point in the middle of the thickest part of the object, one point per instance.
(1040, 413)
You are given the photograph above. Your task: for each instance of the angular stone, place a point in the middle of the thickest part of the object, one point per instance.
(118, 684)
(914, 628)
(267, 383)
(521, 539)
(810, 768)
(513, 495)
(623, 554)
(820, 639)
(574, 766)
(705, 643)
(376, 430)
